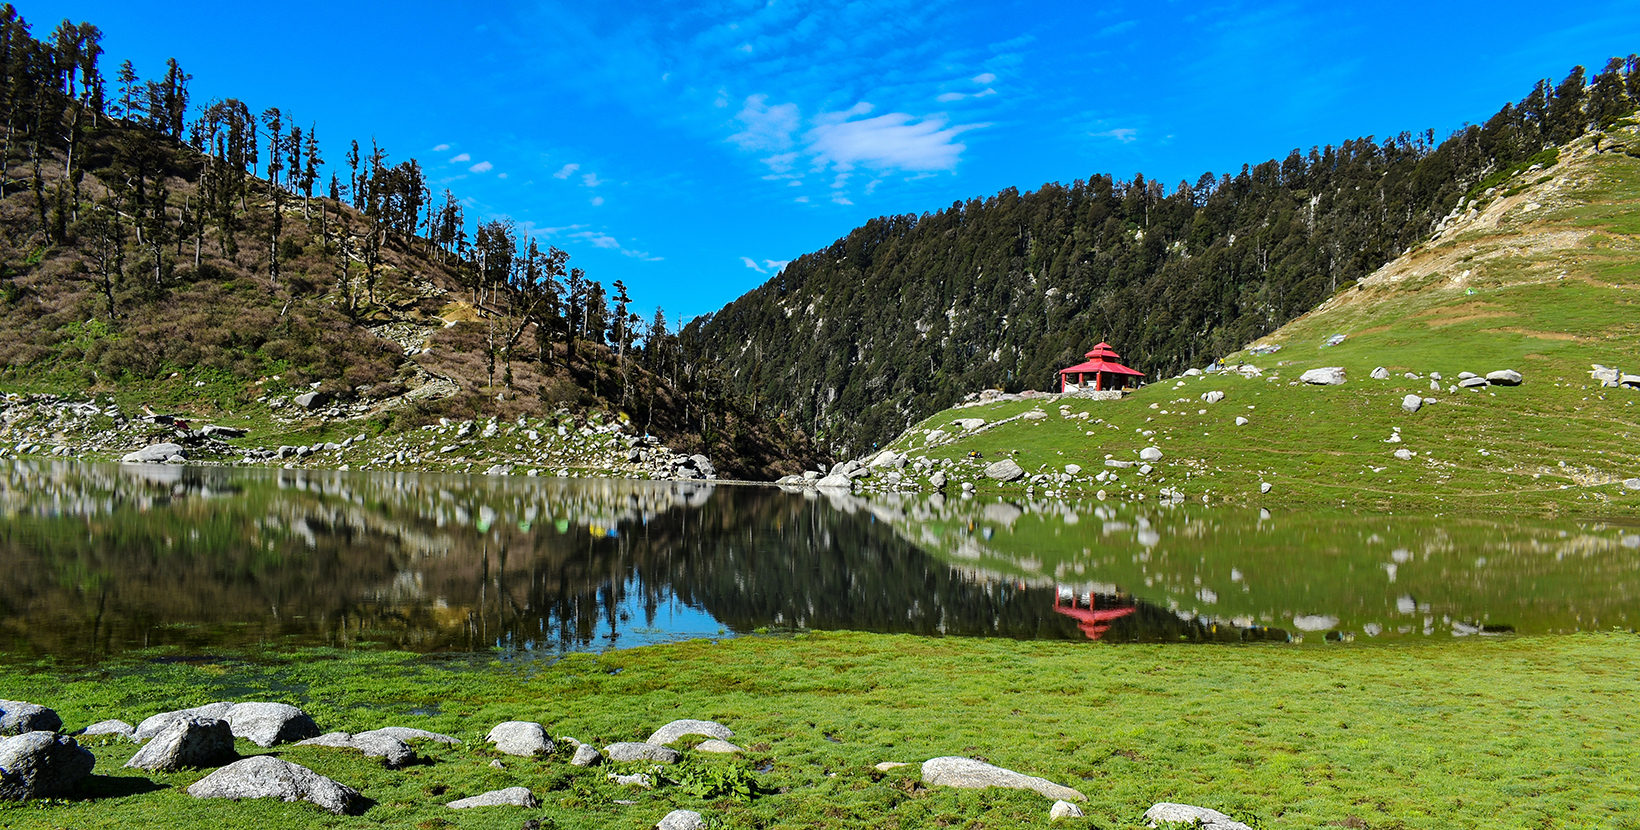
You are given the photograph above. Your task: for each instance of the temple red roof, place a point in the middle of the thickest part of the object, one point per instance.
(1103, 359)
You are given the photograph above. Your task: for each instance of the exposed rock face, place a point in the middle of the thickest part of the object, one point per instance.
(968, 774)
(187, 743)
(393, 752)
(154, 454)
(18, 717)
(681, 820)
(1187, 814)
(509, 797)
(1326, 376)
(1504, 377)
(1004, 470)
(516, 737)
(671, 732)
(267, 724)
(636, 751)
(41, 764)
(154, 725)
(264, 776)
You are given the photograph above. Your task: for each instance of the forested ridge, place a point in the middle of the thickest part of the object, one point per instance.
(153, 242)
(906, 314)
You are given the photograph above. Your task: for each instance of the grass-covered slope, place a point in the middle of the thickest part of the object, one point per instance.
(1537, 274)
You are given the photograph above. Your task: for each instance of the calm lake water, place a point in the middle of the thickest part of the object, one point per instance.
(102, 559)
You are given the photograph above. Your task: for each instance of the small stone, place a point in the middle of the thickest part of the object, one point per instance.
(969, 424)
(1004, 470)
(267, 724)
(586, 756)
(264, 776)
(1264, 487)
(1380, 373)
(969, 774)
(18, 717)
(1073, 469)
(715, 745)
(1326, 376)
(1213, 397)
(311, 400)
(1504, 377)
(1150, 454)
(523, 738)
(637, 780)
(1064, 809)
(1632, 483)
(641, 751)
(1240, 421)
(1404, 454)
(681, 820)
(509, 797)
(1189, 815)
(1412, 403)
(495, 763)
(885, 766)
(187, 742)
(671, 732)
(1471, 382)
(111, 727)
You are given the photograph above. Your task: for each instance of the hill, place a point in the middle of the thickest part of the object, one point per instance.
(187, 261)
(1536, 274)
(1001, 292)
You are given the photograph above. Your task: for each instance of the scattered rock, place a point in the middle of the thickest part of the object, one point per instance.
(1034, 415)
(41, 764)
(885, 766)
(267, 724)
(1150, 454)
(407, 734)
(1467, 375)
(1404, 454)
(1314, 622)
(1326, 376)
(715, 745)
(1380, 373)
(1412, 403)
(937, 480)
(671, 732)
(969, 424)
(934, 437)
(517, 737)
(1111, 462)
(1240, 421)
(154, 454)
(637, 780)
(681, 820)
(641, 751)
(1264, 487)
(1186, 814)
(154, 725)
(968, 774)
(835, 481)
(214, 431)
(1073, 469)
(1004, 470)
(264, 776)
(1504, 377)
(18, 717)
(1632, 483)
(311, 400)
(1064, 809)
(1213, 397)
(1333, 340)
(394, 752)
(1471, 383)
(111, 727)
(509, 797)
(187, 743)
(586, 756)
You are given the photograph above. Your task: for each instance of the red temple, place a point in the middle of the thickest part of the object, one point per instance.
(1102, 365)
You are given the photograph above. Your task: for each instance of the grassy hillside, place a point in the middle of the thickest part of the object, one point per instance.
(1536, 272)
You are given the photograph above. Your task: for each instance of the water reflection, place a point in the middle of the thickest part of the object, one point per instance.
(101, 559)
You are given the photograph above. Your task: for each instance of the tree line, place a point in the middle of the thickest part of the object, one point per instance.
(1004, 291)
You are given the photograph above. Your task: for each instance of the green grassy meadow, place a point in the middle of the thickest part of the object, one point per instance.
(1499, 733)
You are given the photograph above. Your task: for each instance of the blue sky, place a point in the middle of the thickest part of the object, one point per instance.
(689, 149)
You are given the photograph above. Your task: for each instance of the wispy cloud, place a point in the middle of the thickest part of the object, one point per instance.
(566, 171)
(1126, 135)
(462, 157)
(765, 127)
(768, 266)
(591, 180)
(596, 201)
(481, 167)
(893, 141)
(441, 148)
(599, 239)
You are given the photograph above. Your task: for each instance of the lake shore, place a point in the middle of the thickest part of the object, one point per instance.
(1506, 732)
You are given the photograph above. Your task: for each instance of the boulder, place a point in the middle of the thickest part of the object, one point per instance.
(1412, 403)
(1632, 483)
(1264, 487)
(111, 727)
(267, 724)
(1471, 383)
(671, 732)
(703, 465)
(1073, 469)
(1504, 377)
(1150, 454)
(1380, 373)
(1630, 381)
(1111, 462)
(1213, 397)
(887, 458)
(835, 481)
(1004, 470)
(1467, 375)
(641, 751)
(681, 820)
(509, 797)
(41, 764)
(1605, 375)
(153, 454)
(715, 745)
(1064, 809)
(311, 400)
(194, 743)
(407, 734)
(934, 437)
(937, 480)
(1326, 376)
(586, 756)
(264, 776)
(1404, 454)
(393, 752)
(214, 431)
(18, 717)
(1188, 815)
(968, 774)
(516, 737)
(969, 424)
(637, 780)
(1034, 415)
(1241, 421)
(156, 724)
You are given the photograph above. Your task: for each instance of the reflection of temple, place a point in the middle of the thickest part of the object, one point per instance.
(1085, 609)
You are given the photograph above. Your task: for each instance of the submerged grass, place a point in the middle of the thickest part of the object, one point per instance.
(1507, 733)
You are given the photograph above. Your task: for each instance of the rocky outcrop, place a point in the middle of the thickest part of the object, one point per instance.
(268, 724)
(1326, 376)
(509, 797)
(393, 752)
(264, 776)
(187, 743)
(969, 774)
(522, 738)
(41, 764)
(671, 732)
(644, 751)
(154, 454)
(156, 724)
(18, 717)
(1169, 813)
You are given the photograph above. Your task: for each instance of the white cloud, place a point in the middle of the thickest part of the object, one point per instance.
(776, 264)
(462, 157)
(802, 200)
(591, 180)
(501, 175)
(984, 78)
(840, 199)
(566, 171)
(596, 201)
(1126, 135)
(481, 167)
(948, 97)
(598, 239)
(769, 266)
(746, 47)
(441, 148)
(752, 264)
(795, 183)
(780, 163)
(765, 127)
(895, 141)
